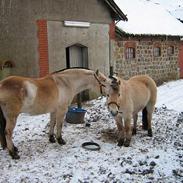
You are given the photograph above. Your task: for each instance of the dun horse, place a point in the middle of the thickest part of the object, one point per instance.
(125, 98)
(50, 94)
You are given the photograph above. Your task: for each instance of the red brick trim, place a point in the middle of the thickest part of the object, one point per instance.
(157, 44)
(130, 44)
(112, 30)
(43, 47)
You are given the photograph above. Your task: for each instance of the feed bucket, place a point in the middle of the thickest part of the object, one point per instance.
(75, 115)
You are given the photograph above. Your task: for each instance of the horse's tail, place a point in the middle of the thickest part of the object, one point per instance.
(2, 129)
(153, 89)
(144, 119)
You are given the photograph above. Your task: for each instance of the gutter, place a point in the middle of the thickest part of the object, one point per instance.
(117, 10)
(122, 33)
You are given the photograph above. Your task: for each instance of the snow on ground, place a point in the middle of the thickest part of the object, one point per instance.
(171, 95)
(156, 159)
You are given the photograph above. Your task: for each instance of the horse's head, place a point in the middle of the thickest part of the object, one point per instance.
(113, 94)
(102, 80)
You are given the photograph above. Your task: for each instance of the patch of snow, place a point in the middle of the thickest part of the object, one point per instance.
(170, 95)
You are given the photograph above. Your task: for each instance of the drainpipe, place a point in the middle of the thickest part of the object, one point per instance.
(111, 66)
(110, 60)
(111, 36)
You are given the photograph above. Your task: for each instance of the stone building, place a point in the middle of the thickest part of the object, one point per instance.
(156, 56)
(149, 43)
(45, 36)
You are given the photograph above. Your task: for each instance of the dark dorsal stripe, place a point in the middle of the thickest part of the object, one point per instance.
(69, 69)
(114, 83)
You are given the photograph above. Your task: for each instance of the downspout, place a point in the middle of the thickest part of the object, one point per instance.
(110, 59)
(110, 46)
(111, 67)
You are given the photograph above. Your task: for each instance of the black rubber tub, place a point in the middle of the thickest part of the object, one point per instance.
(75, 115)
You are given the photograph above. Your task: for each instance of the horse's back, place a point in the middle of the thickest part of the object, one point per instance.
(143, 79)
(41, 96)
(34, 96)
(148, 82)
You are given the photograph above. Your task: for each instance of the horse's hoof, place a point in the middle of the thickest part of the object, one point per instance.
(150, 133)
(52, 139)
(127, 143)
(15, 148)
(4, 146)
(61, 141)
(120, 142)
(14, 155)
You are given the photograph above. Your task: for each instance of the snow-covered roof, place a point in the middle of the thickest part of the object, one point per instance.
(145, 17)
(175, 7)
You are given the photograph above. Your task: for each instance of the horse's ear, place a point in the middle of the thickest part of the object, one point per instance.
(97, 72)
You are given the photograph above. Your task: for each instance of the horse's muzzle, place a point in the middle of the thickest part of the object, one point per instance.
(113, 108)
(114, 113)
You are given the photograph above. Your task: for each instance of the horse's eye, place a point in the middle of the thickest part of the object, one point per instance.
(119, 95)
(107, 95)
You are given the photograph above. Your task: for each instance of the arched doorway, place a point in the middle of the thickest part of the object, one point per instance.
(77, 56)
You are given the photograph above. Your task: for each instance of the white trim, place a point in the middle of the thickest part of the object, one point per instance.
(76, 24)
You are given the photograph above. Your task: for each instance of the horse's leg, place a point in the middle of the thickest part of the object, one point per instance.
(52, 126)
(144, 119)
(150, 109)
(10, 125)
(2, 129)
(120, 127)
(127, 121)
(135, 117)
(60, 120)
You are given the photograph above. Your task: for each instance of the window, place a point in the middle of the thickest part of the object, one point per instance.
(130, 53)
(157, 51)
(170, 50)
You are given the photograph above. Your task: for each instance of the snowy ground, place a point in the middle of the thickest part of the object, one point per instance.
(156, 159)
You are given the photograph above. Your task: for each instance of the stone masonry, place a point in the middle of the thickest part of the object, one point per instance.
(162, 68)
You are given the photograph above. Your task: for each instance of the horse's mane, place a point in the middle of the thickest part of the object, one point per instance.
(70, 69)
(114, 83)
(113, 78)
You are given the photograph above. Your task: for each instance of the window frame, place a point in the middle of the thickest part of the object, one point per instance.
(130, 53)
(172, 50)
(157, 51)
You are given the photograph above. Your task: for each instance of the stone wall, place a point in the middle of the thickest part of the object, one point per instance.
(162, 68)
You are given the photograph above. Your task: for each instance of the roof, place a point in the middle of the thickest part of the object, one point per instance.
(119, 15)
(175, 7)
(147, 18)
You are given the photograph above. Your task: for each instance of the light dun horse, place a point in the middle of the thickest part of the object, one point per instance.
(125, 98)
(50, 94)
